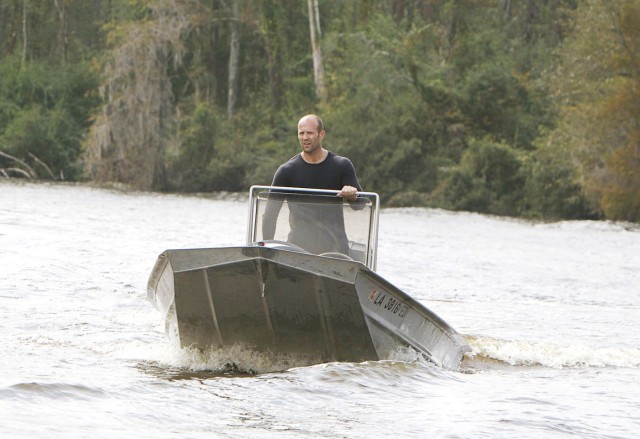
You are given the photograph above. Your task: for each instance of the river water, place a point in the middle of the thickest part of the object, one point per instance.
(551, 311)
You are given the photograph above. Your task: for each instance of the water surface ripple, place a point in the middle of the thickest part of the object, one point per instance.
(552, 312)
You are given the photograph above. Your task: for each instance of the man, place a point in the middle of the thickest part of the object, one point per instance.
(315, 167)
(316, 228)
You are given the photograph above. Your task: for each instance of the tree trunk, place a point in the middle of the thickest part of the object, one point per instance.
(61, 6)
(318, 67)
(273, 64)
(272, 12)
(452, 31)
(3, 27)
(506, 9)
(531, 13)
(234, 55)
(24, 31)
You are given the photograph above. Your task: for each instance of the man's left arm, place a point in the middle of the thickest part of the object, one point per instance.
(350, 182)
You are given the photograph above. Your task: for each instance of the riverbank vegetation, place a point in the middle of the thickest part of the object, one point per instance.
(524, 108)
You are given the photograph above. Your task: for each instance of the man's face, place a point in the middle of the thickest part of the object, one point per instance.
(308, 135)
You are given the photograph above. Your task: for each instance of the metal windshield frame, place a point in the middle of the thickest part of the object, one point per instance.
(372, 244)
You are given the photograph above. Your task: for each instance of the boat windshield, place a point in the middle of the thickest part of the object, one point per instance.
(316, 221)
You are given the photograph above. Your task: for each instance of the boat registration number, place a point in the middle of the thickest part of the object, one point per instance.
(388, 303)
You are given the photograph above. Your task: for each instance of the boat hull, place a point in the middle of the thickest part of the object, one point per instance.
(284, 302)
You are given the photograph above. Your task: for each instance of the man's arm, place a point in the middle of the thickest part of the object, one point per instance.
(350, 182)
(270, 216)
(274, 204)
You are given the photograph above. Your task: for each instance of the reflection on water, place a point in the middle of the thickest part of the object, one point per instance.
(550, 310)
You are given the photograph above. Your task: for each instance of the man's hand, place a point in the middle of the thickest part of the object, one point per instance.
(349, 192)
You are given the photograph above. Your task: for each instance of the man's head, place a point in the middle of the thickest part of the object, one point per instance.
(310, 133)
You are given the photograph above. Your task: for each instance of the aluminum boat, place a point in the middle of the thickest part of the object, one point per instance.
(303, 285)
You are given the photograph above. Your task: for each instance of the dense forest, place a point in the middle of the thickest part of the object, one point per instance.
(526, 108)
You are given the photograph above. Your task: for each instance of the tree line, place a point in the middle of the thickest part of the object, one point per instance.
(525, 108)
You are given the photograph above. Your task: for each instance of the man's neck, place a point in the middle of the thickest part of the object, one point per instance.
(318, 156)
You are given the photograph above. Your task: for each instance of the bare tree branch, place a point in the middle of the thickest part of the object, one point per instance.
(17, 171)
(29, 172)
(43, 164)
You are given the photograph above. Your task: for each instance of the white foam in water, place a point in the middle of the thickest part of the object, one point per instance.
(406, 355)
(237, 358)
(232, 358)
(528, 353)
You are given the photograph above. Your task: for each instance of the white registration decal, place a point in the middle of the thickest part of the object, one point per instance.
(390, 304)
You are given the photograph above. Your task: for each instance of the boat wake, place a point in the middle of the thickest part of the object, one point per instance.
(175, 362)
(486, 350)
(236, 359)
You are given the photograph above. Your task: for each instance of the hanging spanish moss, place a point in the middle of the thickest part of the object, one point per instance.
(134, 127)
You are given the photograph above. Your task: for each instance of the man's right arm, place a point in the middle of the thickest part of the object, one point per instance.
(274, 204)
(270, 216)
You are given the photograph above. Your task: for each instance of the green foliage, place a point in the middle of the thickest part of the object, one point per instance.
(621, 194)
(229, 154)
(45, 115)
(551, 187)
(252, 145)
(391, 111)
(600, 104)
(198, 132)
(488, 179)
(47, 135)
(500, 106)
(514, 108)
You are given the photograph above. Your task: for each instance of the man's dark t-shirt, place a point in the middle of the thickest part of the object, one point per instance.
(317, 228)
(334, 172)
